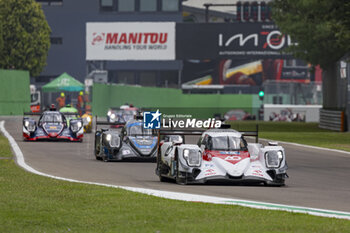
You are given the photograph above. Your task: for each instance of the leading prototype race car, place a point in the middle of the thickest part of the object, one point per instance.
(132, 142)
(220, 155)
(52, 125)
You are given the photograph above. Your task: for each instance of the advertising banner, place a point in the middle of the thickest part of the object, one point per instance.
(230, 40)
(130, 41)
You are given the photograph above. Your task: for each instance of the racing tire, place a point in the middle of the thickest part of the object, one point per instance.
(158, 171)
(179, 180)
(280, 183)
(162, 179)
(105, 158)
(97, 153)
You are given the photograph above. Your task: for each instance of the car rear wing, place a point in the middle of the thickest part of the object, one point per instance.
(199, 132)
(70, 113)
(252, 133)
(32, 113)
(40, 113)
(106, 123)
(181, 132)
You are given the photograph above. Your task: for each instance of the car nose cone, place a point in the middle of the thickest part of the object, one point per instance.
(53, 135)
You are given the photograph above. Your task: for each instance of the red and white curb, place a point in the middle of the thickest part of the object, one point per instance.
(183, 196)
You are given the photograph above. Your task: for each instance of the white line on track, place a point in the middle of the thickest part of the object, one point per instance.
(344, 153)
(183, 196)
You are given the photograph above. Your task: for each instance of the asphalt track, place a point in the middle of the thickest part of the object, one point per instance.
(318, 178)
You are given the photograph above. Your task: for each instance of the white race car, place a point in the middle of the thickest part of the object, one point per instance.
(221, 154)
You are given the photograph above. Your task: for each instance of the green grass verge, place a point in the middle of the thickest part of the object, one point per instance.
(32, 203)
(5, 149)
(304, 133)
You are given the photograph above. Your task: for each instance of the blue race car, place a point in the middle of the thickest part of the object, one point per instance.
(52, 125)
(132, 142)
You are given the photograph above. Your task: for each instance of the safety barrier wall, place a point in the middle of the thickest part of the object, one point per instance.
(167, 100)
(333, 120)
(14, 92)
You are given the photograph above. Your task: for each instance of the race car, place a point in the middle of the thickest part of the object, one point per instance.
(69, 113)
(72, 113)
(87, 122)
(220, 155)
(133, 142)
(238, 115)
(122, 115)
(52, 125)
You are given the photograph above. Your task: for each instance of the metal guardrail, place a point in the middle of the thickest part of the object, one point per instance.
(332, 120)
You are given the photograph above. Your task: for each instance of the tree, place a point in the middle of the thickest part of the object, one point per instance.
(25, 36)
(322, 30)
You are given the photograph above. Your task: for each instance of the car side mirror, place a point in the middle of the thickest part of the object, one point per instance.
(273, 143)
(204, 146)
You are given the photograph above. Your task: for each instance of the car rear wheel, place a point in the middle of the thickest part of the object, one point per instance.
(97, 152)
(105, 158)
(162, 179)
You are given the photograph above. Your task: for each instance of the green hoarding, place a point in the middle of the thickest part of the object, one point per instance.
(168, 100)
(14, 92)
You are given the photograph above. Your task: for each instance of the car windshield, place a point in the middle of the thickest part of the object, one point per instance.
(226, 143)
(52, 118)
(118, 112)
(139, 130)
(128, 115)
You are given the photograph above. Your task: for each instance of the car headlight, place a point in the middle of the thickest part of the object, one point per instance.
(30, 127)
(273, 158)
(280, 155)
(108, 137)
(192, 157)
(76, 126)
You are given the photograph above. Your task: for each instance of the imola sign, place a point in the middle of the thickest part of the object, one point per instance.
(227, 40)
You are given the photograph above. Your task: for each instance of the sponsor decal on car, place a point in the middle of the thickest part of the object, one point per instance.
(208, 165)
(209, 172)
(229, 152)
(258, 173)
(232, 158)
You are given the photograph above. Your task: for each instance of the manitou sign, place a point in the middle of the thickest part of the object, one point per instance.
(130, 41)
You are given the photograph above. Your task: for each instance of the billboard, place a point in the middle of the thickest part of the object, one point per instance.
(130, 41)
(230, 40)
(248, 72)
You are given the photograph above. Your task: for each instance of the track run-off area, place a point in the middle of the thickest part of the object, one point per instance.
(319, 179)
